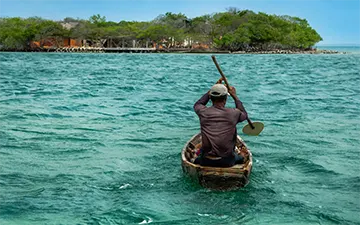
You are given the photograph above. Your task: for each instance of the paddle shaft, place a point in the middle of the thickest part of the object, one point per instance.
(227, 85)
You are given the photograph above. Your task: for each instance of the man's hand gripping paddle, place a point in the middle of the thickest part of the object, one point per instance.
(252, 128)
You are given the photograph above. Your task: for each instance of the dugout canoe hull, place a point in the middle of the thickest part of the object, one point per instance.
(217, 178)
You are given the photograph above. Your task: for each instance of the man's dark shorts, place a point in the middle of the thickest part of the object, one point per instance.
(222, 162)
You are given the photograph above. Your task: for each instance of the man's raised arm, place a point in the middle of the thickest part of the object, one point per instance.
(238, 104)
(201, 103)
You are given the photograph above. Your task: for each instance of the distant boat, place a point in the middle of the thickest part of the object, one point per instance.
(216, 178)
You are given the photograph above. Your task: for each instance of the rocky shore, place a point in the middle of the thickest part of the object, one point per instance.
(312, 51)
(269, 51)
(176, 50)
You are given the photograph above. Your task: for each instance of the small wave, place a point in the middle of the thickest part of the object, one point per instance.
(332, 218)
(13, 117)
(34, 192)
(120, 99)
(306, 166)
(46, 93)
(127, 88)
(215, 216)
(83, 95)
(125, 186)
(5, 146)
(34, 131)
(337, 183)
(146, 221)
(62, 108)
(47, 115)
(77, 151)
(159, 100)
(17, 179)
(148, 140)
(77, 139)
(86, 129)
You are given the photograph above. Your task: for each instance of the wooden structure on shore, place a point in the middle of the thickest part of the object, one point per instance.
(130, 50)
(104, 50)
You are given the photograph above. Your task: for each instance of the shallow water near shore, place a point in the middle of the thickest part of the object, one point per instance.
(96, 139)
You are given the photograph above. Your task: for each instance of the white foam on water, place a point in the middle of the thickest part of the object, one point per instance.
(125, 186)
(146, 221)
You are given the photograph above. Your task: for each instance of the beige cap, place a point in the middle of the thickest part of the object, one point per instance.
(218, 90)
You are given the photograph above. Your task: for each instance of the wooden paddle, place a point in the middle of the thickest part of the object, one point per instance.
(252, 128)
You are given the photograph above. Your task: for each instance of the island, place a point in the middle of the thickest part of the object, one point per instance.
(233, 31)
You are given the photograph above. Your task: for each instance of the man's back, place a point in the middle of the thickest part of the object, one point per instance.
(218, 126)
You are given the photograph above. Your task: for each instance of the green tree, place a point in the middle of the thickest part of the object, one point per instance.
(98, 20)
(49, 29)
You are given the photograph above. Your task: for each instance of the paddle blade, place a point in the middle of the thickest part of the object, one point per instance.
(258, 127)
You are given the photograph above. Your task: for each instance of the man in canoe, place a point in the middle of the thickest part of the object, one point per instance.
(218, 127)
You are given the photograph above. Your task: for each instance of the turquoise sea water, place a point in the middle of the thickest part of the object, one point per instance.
(96, 139)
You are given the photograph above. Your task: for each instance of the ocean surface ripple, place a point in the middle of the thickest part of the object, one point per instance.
(96, 139)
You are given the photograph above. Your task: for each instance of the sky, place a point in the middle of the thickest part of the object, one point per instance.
(337, 21)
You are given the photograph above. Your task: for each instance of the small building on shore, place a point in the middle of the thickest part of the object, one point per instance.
(57, 42)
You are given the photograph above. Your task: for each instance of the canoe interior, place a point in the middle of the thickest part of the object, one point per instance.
(215, 177)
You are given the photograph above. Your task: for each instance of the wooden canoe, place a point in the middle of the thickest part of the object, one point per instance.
(217, 178)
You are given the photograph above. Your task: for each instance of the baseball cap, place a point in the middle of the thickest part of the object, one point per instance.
(218, 90)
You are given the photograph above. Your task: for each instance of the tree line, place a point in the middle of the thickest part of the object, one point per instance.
(233, 30)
